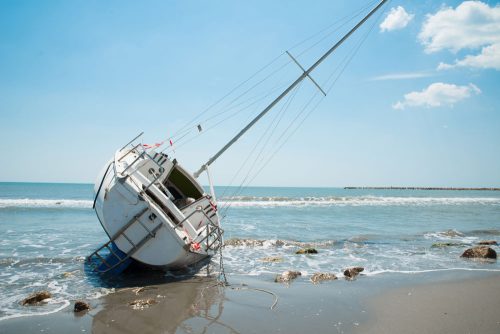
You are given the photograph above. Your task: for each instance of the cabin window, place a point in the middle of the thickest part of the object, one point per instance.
(180, 186)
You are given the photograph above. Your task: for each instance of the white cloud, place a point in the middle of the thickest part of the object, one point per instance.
(488, 58)
(397, 18)
(436, 95)
(472, 25)
(402, 76)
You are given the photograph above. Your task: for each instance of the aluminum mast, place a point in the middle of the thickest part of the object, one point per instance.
(292, 86)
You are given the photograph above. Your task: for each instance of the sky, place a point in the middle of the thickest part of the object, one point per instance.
(416, 104)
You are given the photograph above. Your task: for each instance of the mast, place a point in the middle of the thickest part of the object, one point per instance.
(286, 91)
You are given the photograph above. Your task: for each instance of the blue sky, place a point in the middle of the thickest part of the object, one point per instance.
(417, 105)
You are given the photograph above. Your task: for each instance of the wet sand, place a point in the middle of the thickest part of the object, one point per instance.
(425, 303)
(470, 306)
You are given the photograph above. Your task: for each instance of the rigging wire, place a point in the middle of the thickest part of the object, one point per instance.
(191, 125)
(196, 135)
(259, 97)
(252, 87)
(349, 19)
(226, 95)
(222, 110)
(238, 190)
(346, 62)
(362, 9)
(245, 182)
(349, 59)
(276, 120)
(259, 155)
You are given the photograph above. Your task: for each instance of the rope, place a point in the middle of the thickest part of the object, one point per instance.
(275, 302)
(222, 279)
(222, 271)
(243, 288)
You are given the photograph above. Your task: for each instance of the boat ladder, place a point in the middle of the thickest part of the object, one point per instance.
(108, 257)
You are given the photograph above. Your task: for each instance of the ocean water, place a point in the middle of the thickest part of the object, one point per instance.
(47, 230)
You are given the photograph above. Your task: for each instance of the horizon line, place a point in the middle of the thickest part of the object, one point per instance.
(366, 187)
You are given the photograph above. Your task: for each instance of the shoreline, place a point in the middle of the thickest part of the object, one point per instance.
(383, 303)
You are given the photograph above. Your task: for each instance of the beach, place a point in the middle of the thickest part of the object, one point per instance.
(424, 303)
(457, 306)
(409, 243)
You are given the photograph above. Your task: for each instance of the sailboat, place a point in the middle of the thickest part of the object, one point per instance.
(156, 212)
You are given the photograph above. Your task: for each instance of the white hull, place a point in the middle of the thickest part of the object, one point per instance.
(154, 211)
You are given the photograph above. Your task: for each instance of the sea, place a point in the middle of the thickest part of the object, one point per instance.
(47, 230)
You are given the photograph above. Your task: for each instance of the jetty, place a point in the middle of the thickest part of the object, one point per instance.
(423, 188)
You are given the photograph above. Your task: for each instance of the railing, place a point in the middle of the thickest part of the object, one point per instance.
(211, 229)
(137, 148)
(213, 236)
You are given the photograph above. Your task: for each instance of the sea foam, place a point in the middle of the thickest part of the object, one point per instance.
(44, 203)
(254, 201)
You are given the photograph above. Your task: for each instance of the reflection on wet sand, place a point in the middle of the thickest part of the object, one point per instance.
(182, 306)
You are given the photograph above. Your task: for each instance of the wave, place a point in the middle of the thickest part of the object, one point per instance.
(14, 262)
(252, 201)
(265, 201)
(237, 242)
(28, 203)
(62, 304)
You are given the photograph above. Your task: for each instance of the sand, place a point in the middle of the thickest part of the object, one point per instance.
(468, 306)
(424, 303)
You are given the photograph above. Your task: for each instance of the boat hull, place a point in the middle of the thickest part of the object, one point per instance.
(138, 213)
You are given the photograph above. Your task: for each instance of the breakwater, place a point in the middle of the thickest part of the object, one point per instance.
(423, 188)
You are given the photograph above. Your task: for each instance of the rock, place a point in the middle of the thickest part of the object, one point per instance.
(81, 306)
(320, 277)
(272, 259)
(351, 273)
(36, 298)
(139, 290)
(307, 251)
(141, 304)
(279, 243)
(451, 233)
(447, 244)
(488, 242)
(287, 276)
(480, 252)
(67, 274)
